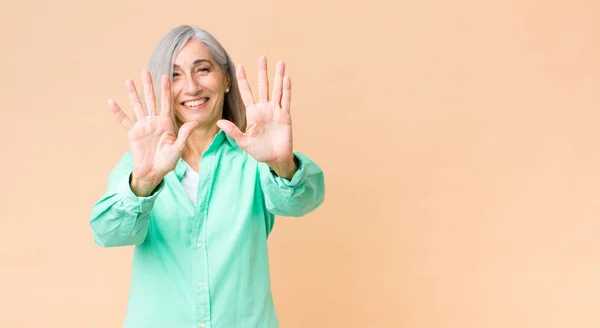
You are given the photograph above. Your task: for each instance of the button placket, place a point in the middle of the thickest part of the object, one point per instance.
(200, 266)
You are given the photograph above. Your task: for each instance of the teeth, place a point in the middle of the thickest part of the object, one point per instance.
(195, 102)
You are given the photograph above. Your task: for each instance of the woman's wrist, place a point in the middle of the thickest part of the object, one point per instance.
(143, 187)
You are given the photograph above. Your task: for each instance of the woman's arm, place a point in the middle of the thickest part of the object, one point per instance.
(119, 217)
(295, 197)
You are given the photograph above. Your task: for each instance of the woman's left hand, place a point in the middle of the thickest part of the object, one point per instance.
(268, 135)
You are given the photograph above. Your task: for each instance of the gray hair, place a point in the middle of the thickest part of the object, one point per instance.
(163, 58)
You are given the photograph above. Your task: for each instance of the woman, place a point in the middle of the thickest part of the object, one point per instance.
(208, 170)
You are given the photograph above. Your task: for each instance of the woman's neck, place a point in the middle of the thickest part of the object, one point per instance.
(197, 143)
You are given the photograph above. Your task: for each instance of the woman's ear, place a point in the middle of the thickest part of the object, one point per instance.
(227, 83)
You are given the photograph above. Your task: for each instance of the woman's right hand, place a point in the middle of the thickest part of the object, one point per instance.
(154, 146)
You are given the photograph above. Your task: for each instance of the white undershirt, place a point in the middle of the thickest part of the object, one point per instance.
(190, 182)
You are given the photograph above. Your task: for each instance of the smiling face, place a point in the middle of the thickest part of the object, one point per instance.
(199, 85)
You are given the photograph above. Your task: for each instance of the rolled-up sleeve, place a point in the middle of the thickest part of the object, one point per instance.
(119, 217)
(298, 196)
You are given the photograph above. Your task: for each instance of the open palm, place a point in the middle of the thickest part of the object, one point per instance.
(154, 145)
(268, 135)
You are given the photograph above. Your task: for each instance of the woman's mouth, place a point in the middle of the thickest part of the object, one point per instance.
(195, 104)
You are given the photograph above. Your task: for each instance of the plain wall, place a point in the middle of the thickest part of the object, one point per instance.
(459, 142)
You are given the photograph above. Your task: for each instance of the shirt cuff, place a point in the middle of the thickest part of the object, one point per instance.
(137, 204)
(298, 177)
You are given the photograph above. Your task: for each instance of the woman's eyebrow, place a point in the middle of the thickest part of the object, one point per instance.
(196, 62)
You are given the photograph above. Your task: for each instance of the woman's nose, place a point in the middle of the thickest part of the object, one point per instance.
(192, 86)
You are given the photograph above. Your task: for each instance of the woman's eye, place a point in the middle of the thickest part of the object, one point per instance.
(203, 70)
(175, 74)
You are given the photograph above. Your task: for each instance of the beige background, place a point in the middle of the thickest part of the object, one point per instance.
(459, 141)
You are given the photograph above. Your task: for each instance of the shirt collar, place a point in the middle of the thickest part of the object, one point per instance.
(217, 142)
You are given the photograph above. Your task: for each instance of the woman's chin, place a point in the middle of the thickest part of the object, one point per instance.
(194, 117)
(203, 121)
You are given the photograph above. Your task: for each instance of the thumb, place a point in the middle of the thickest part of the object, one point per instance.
(231, 129)
(184, 132)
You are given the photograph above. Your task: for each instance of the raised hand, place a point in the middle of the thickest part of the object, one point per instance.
(268, 136)
(154, 146)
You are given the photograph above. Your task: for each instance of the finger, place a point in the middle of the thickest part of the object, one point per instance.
(165, 96)
(168, 138)
(120, 115)
(244, 87)
(134, 99)
(231, 129)
(184, 132)
(263, 80)
(149, 93)
(287, 94)
(278, 87)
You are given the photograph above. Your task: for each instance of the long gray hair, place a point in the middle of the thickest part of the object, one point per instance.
(163, 58)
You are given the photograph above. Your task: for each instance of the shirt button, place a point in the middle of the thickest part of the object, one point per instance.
(199, 245)
(199, 283)
(202, 325)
